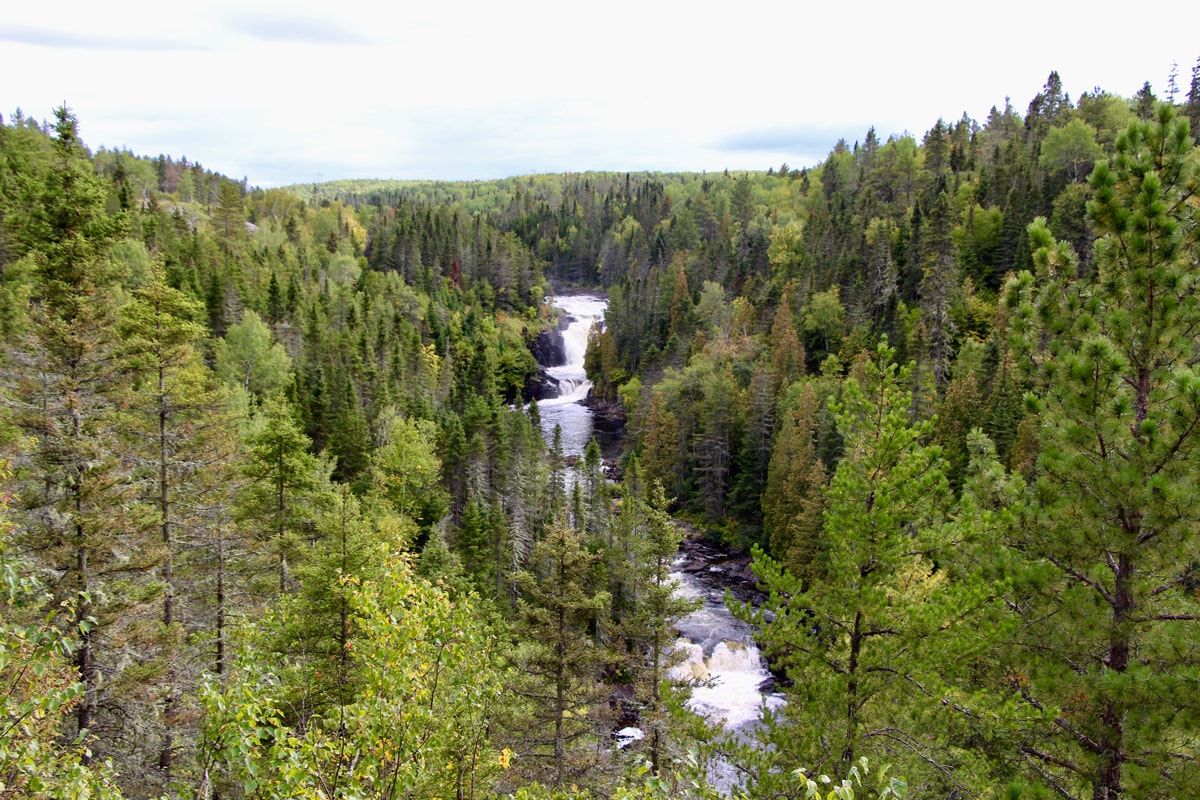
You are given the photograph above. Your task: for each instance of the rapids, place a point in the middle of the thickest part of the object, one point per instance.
(720, 657)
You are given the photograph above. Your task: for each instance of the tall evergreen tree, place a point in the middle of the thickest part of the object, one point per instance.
(283, 476)
(848, 641)
(81, 516)
(939, 285)
(558, 655)
(1191, 107)
(794, 497)
(656, 607)
(1111, 540)
(174, 414)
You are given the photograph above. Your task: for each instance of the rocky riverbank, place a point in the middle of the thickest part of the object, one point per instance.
(549, 350)
(717, 568)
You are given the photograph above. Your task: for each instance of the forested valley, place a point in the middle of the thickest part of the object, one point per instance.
(279, 520)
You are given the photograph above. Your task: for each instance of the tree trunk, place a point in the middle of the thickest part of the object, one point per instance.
(1112, 740)
(220, 665)
(165, 754)
(852, 693)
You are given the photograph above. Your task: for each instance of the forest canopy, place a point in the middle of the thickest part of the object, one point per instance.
(280, 520)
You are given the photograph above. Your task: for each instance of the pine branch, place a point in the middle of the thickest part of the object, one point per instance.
(1082, 578)
(1046, 776)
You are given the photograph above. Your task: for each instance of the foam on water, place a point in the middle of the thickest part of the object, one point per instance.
(582, 311)
(720, 660)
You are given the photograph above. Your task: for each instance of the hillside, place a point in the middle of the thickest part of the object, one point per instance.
(279, 521)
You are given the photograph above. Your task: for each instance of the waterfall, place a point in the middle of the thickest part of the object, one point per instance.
(582, 312)
(574, 419)
(718, 656)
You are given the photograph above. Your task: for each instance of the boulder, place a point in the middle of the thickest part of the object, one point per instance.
(543, 387)
(548, 348)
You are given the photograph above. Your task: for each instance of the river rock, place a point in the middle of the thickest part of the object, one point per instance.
(543, 386)
(549, 349)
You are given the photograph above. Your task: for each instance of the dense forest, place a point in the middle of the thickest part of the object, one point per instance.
(278, 520)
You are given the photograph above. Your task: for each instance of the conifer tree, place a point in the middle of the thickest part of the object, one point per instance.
(1110, 543)
(592, 487)
(283, 475)
(556, 499)
(557, 655)
(959, 413)
(1191, 108)
(660, 442)
(787, 353)
(347, 554)
(847, 641)
(655, 607)
(794, 496)
(174, 417)
(939, 284)
(81, 517)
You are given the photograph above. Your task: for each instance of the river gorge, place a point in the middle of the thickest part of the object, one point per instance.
(719, 657)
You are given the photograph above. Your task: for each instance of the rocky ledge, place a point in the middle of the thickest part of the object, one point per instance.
(549, 350)
(606, 416)
(712, 566)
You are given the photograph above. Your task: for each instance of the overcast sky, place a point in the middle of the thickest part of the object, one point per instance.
(298, 91)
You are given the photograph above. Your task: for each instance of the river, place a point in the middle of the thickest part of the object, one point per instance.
(719, 651)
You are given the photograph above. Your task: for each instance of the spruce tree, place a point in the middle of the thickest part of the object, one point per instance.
(175, 416)
(653, 543)
(283, 476)
(81, 519)
(557, 655)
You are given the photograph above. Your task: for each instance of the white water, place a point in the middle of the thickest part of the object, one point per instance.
(566, 410)
(721, 661)
(720, 655)
(724, 668)
(582, 312)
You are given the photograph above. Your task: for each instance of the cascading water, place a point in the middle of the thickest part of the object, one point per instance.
(720, 658)
(573, 418)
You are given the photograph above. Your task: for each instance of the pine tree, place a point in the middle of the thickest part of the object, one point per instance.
(1111, 539)
(557, 655)
(847, 641)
